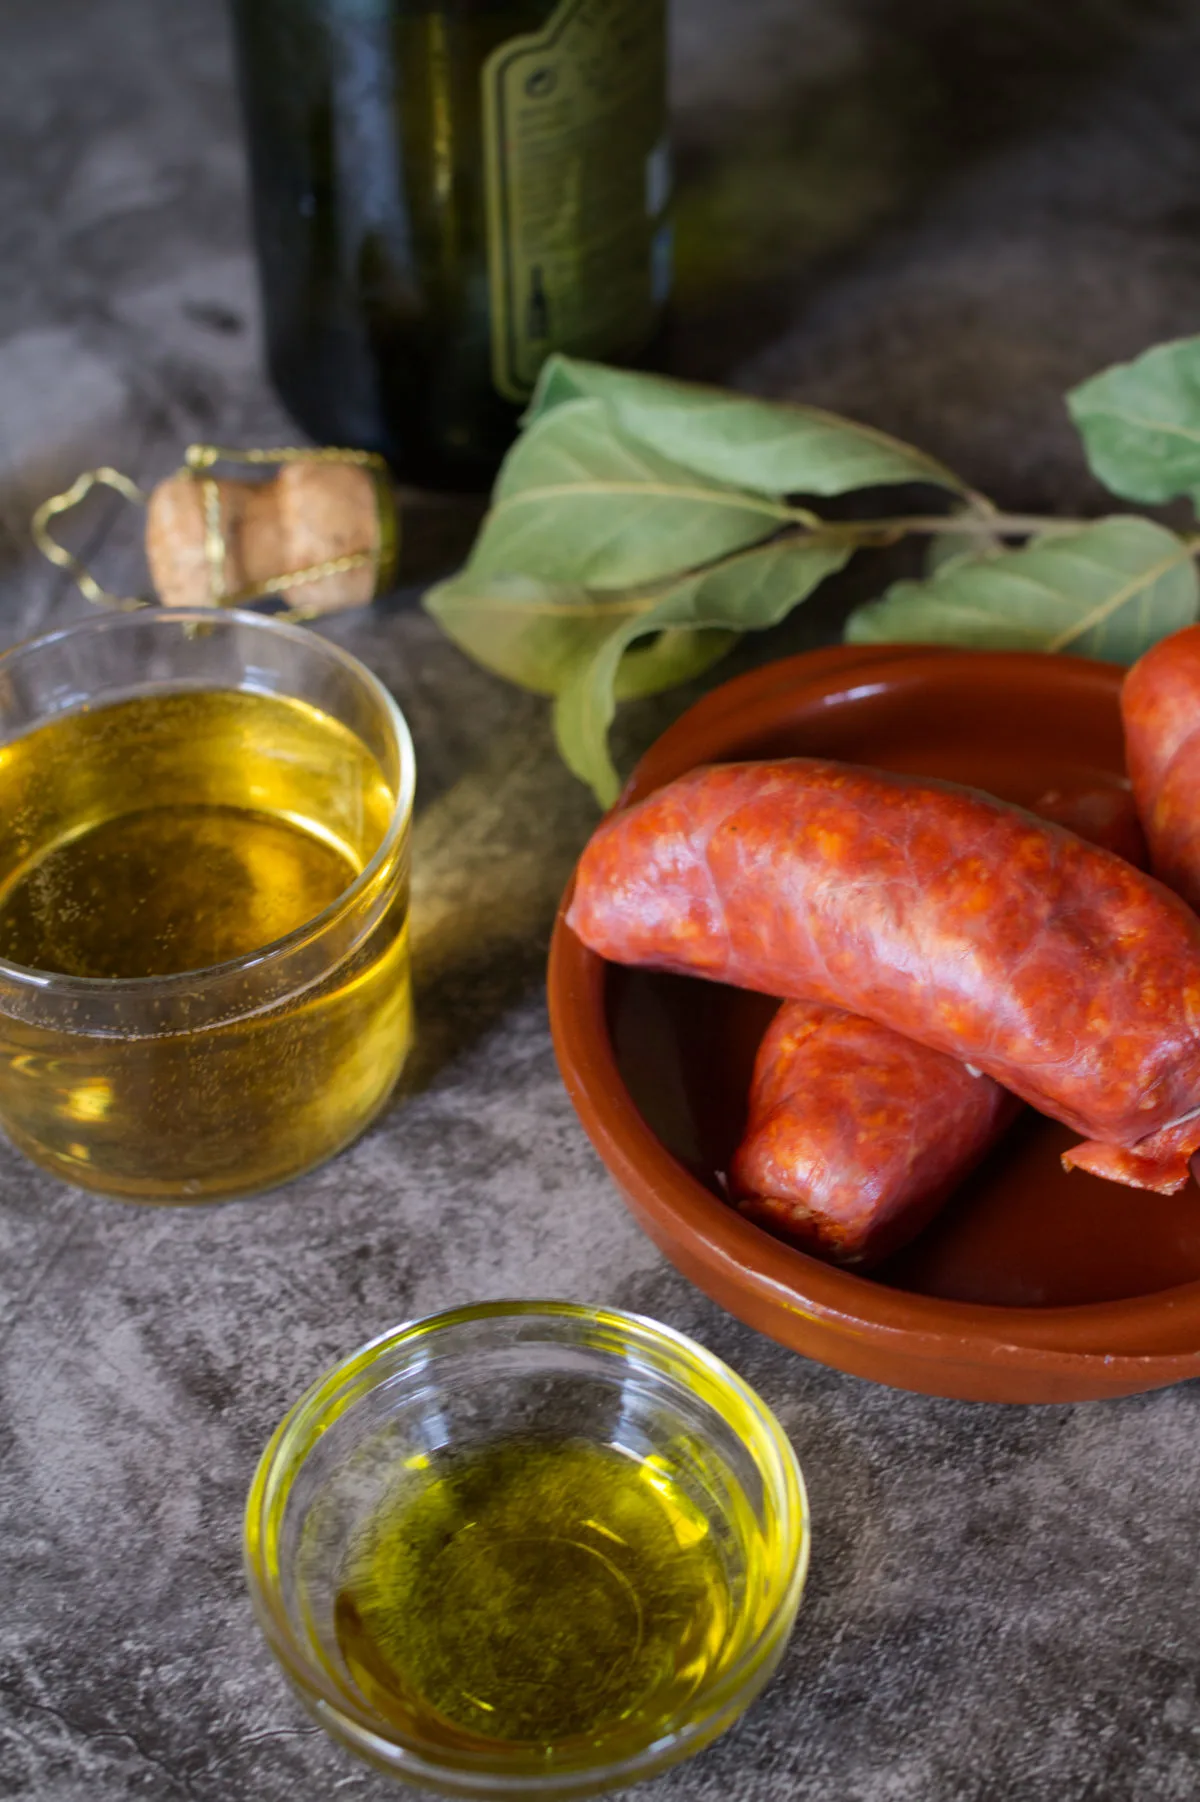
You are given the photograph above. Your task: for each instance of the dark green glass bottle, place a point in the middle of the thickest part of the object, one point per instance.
(444, 192)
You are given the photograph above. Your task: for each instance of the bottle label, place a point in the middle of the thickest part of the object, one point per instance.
(578, 187)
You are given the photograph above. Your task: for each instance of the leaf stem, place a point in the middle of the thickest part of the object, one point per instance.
(868, 532)
(573, 492)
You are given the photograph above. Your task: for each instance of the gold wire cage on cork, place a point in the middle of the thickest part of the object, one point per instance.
(324, 525)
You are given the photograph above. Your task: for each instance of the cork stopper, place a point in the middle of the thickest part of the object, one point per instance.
(321, 534)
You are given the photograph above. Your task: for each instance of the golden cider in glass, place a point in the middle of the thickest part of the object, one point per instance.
(211, 881)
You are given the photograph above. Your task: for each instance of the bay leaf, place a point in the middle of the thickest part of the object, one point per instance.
(530, 632)
(1108, 590)
(1140, 423)
(751, 590)
(675, 654)
(536, 634)
(578, 502)
(772, 447)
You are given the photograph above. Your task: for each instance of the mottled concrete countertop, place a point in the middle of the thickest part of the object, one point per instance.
(935, 214)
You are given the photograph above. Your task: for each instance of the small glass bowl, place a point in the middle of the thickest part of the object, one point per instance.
(234, 1078)
(469, 1378)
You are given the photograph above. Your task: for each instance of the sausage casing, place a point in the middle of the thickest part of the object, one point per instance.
(1160, 708)
(855, 1135)
(972, 927)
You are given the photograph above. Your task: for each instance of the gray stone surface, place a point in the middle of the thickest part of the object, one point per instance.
(936, 214)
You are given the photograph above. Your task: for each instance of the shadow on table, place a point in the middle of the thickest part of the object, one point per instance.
(492, 851)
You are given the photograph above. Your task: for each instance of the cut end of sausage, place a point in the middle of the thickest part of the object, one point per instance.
(1165, 1175)
(804, 1227)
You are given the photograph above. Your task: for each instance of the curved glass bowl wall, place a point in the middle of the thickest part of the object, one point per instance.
(449, 1385)
(229, 1079)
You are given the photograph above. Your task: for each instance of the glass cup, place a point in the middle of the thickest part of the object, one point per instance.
(409, 1404)
(230, 1078)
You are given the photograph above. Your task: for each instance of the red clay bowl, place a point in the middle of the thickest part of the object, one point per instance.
(1033, 1285)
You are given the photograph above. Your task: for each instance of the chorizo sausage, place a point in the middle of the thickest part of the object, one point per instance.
(855, 1135)
(1002, 940)
(1160, 708)
(1102, 814)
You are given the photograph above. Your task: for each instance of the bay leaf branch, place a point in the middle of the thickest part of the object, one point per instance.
(579, 503)
(749, 591)
(774, 447)
(537, 633)
(1107, 590)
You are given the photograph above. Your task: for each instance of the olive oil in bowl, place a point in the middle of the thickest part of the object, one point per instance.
(527, 1549)
(203, 904)
(533, 1593)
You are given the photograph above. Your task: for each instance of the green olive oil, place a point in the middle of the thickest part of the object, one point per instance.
(535, 1592)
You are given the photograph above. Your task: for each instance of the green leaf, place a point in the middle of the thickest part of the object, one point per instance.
(1108, 591)
(677, 654)
(537, 633)
(753, 590)
(530, 632)
(772, 447)
(579, 503)
(1140, 423)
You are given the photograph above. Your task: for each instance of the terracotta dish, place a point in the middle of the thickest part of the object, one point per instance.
(1032, 1285)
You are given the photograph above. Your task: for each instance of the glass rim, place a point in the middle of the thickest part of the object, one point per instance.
(27, 977)
(340, 1388)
